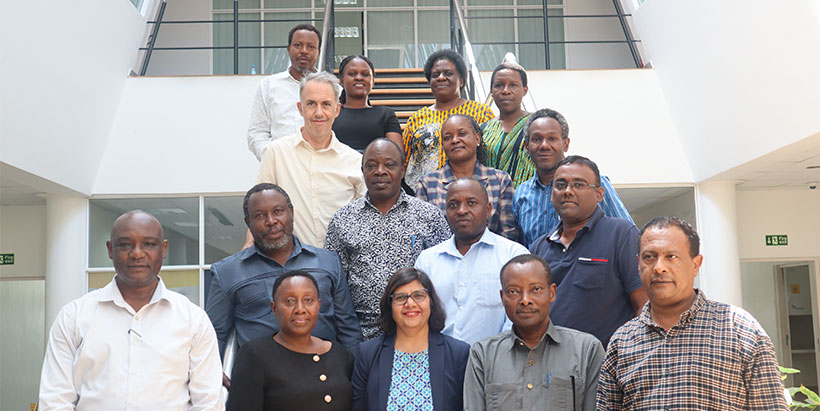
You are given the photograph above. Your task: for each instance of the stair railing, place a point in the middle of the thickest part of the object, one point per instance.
(460, 41)
(328, 47)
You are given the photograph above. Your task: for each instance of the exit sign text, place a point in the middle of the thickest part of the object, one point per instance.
(777, 240)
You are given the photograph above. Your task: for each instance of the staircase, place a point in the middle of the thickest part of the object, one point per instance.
(403, 90)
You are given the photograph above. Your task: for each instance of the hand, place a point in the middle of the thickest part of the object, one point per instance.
(248, 240)
(226, 381)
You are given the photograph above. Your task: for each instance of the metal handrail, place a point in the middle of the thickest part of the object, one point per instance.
(327, 26)
(475, 76)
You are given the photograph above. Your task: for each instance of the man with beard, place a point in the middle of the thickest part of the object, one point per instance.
(274, 114)
(242, 284)
(464, 269)
(381, 232)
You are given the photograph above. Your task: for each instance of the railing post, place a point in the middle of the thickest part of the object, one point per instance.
(453, 26)
(546, 35)
(627, 34)
(330, 63)
(153, 40)
(236, 36)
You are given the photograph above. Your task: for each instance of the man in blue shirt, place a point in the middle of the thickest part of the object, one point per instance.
(242, 284)
(546, 140)
(593, 257)
(464, 269)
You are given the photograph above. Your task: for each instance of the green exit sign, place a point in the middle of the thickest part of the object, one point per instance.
(6, 259)
(777, 240)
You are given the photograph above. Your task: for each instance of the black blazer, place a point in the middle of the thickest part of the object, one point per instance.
(374, 367)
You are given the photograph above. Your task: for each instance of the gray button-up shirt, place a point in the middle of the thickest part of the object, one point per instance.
(560, 373)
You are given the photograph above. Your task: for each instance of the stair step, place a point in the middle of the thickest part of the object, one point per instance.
(404, 114)
(404, 102)
(401, 80)
(413, 91)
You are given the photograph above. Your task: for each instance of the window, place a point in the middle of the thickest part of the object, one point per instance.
(200, 231)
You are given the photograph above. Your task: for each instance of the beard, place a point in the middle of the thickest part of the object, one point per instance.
(269, 246)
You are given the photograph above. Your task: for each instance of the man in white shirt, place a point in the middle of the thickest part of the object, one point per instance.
(465, 268)
(320, 174)
(274, 114)
(133, 344)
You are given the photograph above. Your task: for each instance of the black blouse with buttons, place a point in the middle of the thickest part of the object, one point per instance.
(267, 376)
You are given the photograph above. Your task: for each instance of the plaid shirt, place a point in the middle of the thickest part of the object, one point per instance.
(717, 357)
(433, 188)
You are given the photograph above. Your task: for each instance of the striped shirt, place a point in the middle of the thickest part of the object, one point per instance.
(433, 188)
(717, 357)
(422, 137)
(535, 215)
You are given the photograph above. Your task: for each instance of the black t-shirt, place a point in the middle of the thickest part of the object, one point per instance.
(357, 127)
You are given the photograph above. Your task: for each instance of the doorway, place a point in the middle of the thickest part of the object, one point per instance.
(797, 318)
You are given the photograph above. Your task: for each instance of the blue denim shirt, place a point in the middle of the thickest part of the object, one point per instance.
(241, 293)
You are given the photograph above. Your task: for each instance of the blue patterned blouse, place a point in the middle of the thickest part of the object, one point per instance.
(410, 382)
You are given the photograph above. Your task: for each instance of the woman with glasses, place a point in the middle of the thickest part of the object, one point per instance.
(292, 369)
(412, 366)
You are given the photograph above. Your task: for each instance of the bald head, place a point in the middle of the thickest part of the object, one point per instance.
(137, 248)
(138, 217)
(468, 185)
(384, 147)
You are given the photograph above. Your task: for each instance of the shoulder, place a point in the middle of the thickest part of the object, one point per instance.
(578, 338)
(511, 247)
(455, 345)
(350, 208)
(231, 262)
(320, 253)
(744, 323)
(182, 304)
(422, 207)
(490, 344)
(629, 332)
(540, 244)
(617, 226)
(525, 188)
(434, 250)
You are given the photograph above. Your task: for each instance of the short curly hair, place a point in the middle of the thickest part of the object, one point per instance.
(445, 54)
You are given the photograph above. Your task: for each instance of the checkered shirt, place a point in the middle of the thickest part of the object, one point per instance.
(716, 358)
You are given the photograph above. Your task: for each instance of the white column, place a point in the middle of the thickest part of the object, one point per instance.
(66, 252)
(717, 226)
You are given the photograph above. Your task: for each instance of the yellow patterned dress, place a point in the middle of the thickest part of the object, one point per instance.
(422, 137)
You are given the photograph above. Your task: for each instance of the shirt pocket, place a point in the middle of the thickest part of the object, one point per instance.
(560, 391)
(590, 275)
(487, 293)
(253, 299)
(501, 397)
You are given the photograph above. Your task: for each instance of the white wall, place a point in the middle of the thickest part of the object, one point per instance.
(739, 76)
(180, 135)
(795, 213)
(62, 70)
(23, 233)
(595, 56)
(176, 62)
(617, 118)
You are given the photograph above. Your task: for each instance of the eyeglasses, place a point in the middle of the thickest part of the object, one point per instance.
(401, 298)
(576, 186)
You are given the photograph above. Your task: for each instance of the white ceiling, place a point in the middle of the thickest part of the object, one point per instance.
(791, 167)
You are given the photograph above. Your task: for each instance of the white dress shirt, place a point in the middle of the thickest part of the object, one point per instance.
(468, 285)
(319, 182)
(101, 355)
(274, 113)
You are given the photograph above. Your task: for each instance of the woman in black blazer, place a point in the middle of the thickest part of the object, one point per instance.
(413, 365)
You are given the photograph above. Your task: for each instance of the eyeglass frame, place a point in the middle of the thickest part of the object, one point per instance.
(425, 291)
(576, 186)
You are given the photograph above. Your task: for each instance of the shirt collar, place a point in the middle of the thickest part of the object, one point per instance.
(450, 246)
(111, 292)
(551, 332)
(403, 198)
(539, 184)
(480, 173)
(253, 251)
(335, 145)
(685, 317)
(597, 215)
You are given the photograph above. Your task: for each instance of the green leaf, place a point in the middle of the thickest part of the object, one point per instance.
(784, 370)
(813, 398)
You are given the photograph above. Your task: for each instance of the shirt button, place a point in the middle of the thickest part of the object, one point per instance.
(315, 358)
(529, 386)
(521, 344)
(323, 378)
(531, 362)
(328, 399)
